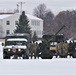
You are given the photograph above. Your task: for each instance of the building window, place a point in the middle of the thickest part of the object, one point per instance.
(39, 32)
(7, 31)
(16, 22)
(8, 22)
(35, 22)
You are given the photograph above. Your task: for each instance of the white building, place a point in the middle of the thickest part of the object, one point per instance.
(8, 24)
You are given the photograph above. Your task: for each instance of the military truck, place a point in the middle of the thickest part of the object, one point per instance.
(16, 44)
(48, 44)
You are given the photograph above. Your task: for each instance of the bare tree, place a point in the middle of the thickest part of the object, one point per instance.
(48, 22)
(40, 11)
(52, 24)
(67, 18)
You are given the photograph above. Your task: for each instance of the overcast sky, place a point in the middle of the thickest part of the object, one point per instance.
(54, 5)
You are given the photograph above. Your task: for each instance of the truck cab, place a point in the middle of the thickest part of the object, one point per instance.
(16, 46)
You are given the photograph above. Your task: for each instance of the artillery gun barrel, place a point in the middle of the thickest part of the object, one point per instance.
(60, 29)
(53, 37)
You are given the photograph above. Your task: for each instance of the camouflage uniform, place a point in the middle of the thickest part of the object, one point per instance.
(62, 49)
(65, 49)
(33, 48)
(59, 48)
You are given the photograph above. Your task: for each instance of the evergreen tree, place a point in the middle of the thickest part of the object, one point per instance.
(34, 38)
(23, 26)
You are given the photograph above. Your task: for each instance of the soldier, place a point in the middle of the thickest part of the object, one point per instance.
(65, 49)
(71, 47)
(57, 48)
(33, 48)
(61, 49)
(38, 50)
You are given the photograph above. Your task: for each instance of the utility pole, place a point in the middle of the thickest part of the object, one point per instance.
(21, 3)
(17, 8)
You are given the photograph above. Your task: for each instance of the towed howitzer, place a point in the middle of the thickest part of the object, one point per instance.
(48, 44)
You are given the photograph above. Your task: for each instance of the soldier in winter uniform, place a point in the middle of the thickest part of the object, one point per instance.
(39, 46)
(62, 49)
(59, 48)
(33, 47)
(65, 49)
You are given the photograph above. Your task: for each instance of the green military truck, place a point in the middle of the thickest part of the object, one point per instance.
(16, 44)
(48, 48)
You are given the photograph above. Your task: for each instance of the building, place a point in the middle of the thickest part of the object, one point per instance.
(8, 24)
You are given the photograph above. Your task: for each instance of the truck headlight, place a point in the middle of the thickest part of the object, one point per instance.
(19, 49)
(9, 49)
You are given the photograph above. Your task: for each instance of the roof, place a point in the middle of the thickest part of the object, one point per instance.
(5, 16)
(18, 34)
(2, 16)
(33, 17)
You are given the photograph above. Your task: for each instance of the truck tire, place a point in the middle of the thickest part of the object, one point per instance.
(25, 56)
(46, 56)
(74, 54)
(6, 57)
(50, 57)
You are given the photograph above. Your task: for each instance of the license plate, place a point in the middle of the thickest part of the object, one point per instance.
(14, 50)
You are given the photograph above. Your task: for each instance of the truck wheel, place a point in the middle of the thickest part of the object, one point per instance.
(50, 57)
(25, 56)
(43, 57)
(6, 57)
(74, 54)
(47, 56)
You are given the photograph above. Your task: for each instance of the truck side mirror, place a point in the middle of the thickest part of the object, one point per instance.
(2, 44)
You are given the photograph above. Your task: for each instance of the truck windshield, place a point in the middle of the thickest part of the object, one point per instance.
(16, 43)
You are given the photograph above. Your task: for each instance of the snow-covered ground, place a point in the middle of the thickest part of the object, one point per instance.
(38, 67)
(55, 66)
